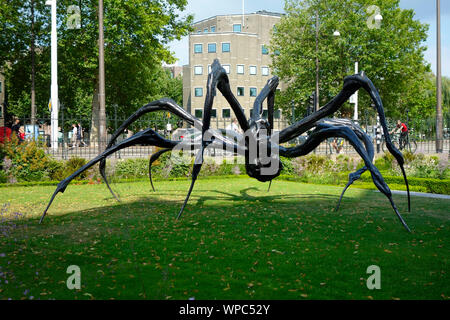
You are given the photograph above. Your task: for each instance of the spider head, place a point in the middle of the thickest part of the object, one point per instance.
(262, 159)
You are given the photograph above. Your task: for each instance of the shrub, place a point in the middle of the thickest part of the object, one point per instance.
(28, 161)
(131, 168)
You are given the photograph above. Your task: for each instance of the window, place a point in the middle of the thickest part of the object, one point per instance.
(198, 113)
(227, 68)
(252, 70)
(226, 47)
(240, 91)
(226, 113)
(213, 28)
(1, 87)
(213, 113)
(206, 30)
(253, 92)
(199, 92)
(264, 49)
(211, 47)
(265, 71)
(199, 31)
(198, 48)
(240, 69)
(198, 70)
(236, 27)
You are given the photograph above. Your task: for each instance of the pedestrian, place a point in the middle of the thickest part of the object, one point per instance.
(17, 130)
(80, 135)
(74, 135)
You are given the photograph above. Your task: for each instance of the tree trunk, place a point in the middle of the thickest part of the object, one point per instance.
(93, 137)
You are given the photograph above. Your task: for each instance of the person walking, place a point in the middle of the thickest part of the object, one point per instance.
(74, 135)
(80, 141)
(18, 131)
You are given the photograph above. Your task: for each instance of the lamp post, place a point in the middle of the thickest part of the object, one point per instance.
(354, 98)
(439, 136)
(54, 76)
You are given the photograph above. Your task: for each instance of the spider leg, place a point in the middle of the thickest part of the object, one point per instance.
(351, 85)
(146, 137)
(367, 143)
(324, 131)
(153, 158)
(158, 105)
(217, 78)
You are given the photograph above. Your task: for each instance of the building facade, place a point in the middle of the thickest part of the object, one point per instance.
(240, 43)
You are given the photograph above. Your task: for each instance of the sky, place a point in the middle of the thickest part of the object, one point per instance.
(425, 12)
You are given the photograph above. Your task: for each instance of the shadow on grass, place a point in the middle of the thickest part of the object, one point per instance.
(242, 243)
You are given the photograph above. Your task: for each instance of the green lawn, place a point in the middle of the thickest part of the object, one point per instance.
(234, 241)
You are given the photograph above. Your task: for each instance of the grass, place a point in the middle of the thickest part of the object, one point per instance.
(234, 241)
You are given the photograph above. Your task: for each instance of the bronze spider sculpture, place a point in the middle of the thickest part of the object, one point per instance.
(258, 139)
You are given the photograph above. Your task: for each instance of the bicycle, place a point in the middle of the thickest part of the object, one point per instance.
(409, 144)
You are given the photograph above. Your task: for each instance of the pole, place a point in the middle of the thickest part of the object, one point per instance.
(439, 119)
(355, 115)
(54, 76)
(316, 105)
(101, 69)
(33, 72)
(243, 10)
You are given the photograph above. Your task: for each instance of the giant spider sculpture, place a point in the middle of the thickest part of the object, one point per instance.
(258, 135)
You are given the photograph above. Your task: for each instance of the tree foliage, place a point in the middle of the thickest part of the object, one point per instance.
(136, 32)
(391, 56)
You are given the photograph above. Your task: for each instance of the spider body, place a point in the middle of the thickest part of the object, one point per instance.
(258, 144)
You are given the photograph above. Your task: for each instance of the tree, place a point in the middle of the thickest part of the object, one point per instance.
(136, 36)
(391, 56)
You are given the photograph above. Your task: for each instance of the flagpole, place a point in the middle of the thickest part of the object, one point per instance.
(243, 12)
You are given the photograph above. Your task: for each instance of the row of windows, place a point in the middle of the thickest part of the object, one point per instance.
(240, 68)
(198, 92)
(236, 28)
(226, 113)
(226, 47)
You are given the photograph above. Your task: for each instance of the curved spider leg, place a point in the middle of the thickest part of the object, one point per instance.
(268, 92)
(158, 105)
(270, 184)
(146, 137)
(351, 85)
(164, 104)
(153, 158)
(217, 78)
(367, 143)
(324, 131)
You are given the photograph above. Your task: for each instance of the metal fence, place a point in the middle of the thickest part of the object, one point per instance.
(88, 146)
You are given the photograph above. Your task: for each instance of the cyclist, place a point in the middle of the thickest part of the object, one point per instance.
(403, 133)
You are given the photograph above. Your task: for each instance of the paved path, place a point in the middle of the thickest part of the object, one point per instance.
(422, 194)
